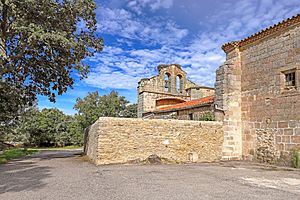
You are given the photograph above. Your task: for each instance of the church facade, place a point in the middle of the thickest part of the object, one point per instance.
(258, 94)
(158, 95)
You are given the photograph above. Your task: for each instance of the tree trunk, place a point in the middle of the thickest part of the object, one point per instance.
(3, 53)
(3, 58)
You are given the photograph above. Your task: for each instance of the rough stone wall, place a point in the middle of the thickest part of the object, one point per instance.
(174, 71)
(265, 145)
(190, 84)
(91, 142)
(198, 113)
(165, 115)
(266, 106)
(151, 89)
(228, 99)
(123, 140)
(157, 83)
(147, 101)
(250, 86)
(197, 93)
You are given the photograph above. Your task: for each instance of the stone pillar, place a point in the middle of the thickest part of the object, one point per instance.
(228, 104)
(140, 104)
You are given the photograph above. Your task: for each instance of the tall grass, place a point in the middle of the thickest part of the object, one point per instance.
(10, 154)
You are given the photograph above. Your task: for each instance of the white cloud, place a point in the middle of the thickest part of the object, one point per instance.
(123, 71)
(139, 5)
(123, 23)
(112, 80)
(244, 17)
(200, 54)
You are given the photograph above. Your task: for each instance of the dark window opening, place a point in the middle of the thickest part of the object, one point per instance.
(179, 84)
(189, 92)
(290, 79)
(167, 83)
(191, 117)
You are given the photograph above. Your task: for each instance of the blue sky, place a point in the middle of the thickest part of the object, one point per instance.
(140, 34)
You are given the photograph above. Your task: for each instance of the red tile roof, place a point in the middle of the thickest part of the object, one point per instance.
(188, 104)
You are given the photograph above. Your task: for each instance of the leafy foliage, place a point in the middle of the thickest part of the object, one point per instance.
(42, 42)
(295, 158)
(93, 106)
(130, 111)
(76, 131)
(207, 117)
(51, 127)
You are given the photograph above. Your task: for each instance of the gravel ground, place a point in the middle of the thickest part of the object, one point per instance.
(65, 175)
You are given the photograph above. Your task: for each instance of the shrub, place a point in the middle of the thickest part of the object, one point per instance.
(207, 117)
(295, 158)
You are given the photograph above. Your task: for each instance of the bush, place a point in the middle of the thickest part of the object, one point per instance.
(295, 158)
(207, 117)
(47, 128)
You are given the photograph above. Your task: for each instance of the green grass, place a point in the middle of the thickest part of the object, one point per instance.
(15, 153)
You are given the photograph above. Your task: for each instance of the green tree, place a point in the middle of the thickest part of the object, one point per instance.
(48, 127)
(42, 42)
(93, 106)
(88, 109)
(76, 129)
(130, 111)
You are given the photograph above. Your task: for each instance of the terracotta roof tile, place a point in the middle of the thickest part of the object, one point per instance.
(192, 103)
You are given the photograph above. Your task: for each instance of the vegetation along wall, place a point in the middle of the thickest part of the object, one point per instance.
(123, 140)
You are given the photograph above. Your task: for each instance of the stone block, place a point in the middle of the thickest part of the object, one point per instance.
(295, 139)
(283, 124)
(297, 131)
(288, 131)
(286, 139)
(293, 124)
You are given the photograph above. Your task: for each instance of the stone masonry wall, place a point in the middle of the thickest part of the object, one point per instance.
(198, 92)
(91, 142)
(122, 140)
(151, 89)
(147, 101)
(228, 100)
(269, 111)
(253, 100)
(198, 113)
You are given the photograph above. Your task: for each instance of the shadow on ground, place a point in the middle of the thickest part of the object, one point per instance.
(18, 176)
(49, 155)
(27, 173)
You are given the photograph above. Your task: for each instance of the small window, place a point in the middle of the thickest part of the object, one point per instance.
(290, 79)
(167, 83)
(179, 84)
(189, 92)
(191, 117)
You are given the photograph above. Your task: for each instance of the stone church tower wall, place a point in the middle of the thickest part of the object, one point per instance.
(169, 87)
(258, 94)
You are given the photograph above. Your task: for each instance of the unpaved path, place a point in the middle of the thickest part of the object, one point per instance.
(64, 175)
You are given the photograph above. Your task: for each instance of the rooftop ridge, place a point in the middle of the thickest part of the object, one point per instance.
(161, 66)
(188, 104)
(263, 33)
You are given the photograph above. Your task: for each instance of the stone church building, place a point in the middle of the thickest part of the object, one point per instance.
(258, 94)
(256, 105)
(171, 95)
